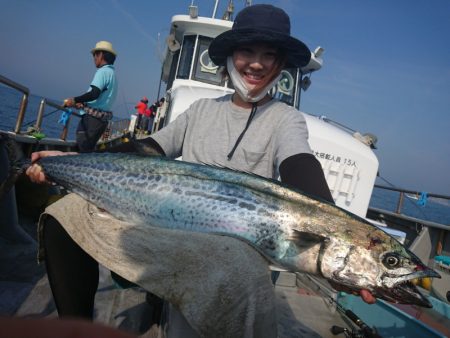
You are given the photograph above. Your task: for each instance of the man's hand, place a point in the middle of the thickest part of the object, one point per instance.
(34, 172)
(70, 102)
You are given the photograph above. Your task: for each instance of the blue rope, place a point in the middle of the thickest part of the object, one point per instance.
(65, 117)
(422, 201)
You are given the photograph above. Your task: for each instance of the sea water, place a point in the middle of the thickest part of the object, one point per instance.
(10, 100)
(436, 210)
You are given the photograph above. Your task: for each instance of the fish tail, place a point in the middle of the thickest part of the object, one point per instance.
(12, 163)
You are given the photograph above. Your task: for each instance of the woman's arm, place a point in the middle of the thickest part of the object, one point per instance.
(304, 172)
(145, 146)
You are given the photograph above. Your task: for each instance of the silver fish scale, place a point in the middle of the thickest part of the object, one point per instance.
(297, 232)
(174, 194)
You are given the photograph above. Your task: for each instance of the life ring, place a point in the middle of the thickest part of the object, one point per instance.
(210, 67)
(286, 83)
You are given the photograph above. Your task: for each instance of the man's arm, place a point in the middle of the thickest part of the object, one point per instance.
(91, 95)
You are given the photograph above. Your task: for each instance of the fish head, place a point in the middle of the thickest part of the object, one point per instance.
(376, 262)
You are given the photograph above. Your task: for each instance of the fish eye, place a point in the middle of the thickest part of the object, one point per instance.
(391, 261)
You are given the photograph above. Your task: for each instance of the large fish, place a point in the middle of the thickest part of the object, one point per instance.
(293, 230)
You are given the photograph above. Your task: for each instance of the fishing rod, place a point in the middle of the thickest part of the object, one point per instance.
(45, 115)
(363, 331)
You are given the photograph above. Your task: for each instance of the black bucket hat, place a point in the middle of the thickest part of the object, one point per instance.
(260, 23)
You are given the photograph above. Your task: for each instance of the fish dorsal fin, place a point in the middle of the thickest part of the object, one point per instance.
(306, 239)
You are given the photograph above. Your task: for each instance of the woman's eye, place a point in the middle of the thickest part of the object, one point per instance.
(270, 57)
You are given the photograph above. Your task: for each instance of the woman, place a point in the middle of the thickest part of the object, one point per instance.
(246, 131)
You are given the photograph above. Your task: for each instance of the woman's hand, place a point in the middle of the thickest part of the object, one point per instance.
(367, 296)
(34, 172)
(364, 294)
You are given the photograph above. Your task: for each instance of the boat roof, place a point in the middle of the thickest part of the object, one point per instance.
(185, 24)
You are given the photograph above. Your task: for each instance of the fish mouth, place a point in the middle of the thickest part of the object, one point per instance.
(405, 292)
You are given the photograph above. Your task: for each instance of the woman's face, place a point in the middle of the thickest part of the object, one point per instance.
(255, 63)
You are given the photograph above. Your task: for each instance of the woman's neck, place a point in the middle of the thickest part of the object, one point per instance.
(238, 101)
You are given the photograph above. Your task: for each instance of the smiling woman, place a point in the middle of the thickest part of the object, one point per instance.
(254, 69)
(246, 131)
(271, 136)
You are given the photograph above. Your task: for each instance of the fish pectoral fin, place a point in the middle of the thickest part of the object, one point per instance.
(273, 267)
(306, 239)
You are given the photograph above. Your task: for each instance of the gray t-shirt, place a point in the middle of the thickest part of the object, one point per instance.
(207, 131)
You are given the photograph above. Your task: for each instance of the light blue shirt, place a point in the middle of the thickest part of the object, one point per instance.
(105, 80)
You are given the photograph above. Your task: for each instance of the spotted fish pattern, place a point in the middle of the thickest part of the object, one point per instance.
(292, 230)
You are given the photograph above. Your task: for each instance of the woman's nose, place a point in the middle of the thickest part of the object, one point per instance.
(256, 62)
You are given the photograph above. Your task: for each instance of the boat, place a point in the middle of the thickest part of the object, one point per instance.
(350, 165)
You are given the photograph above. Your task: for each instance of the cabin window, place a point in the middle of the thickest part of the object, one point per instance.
(173, 67)
(187, 53)
(204, 69)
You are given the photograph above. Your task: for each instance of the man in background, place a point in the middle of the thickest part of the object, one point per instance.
(95, 105)
(141, 107)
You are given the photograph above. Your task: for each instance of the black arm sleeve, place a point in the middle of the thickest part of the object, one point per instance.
(91, 95)
(304, 172)
(146, 146)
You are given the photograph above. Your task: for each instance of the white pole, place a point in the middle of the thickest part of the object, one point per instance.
(215, 9)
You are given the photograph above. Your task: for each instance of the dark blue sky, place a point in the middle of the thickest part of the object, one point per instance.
(386, 65)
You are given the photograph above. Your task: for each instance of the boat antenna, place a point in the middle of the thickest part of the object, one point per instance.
(215, 9)
(228, 15)
(193, 10)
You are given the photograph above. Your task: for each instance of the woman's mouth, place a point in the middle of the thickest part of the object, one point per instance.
(253, 79)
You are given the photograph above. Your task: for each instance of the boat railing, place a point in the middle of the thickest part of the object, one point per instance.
(46, 102)
(40, 115)
(115, 128)
(405, 219)
(23, 103)
(403, 192)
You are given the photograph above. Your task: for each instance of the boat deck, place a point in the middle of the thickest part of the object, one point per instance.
(25, 292)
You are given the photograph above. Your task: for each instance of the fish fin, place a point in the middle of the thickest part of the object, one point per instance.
(273, 267)
(148, 146)
(306, 239)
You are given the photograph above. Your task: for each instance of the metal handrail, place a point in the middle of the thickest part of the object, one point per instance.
(412, 219)
(115, 128)
(46, 102)
(23, 106)
(23, 103)
(412, 192)
(405, 191)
